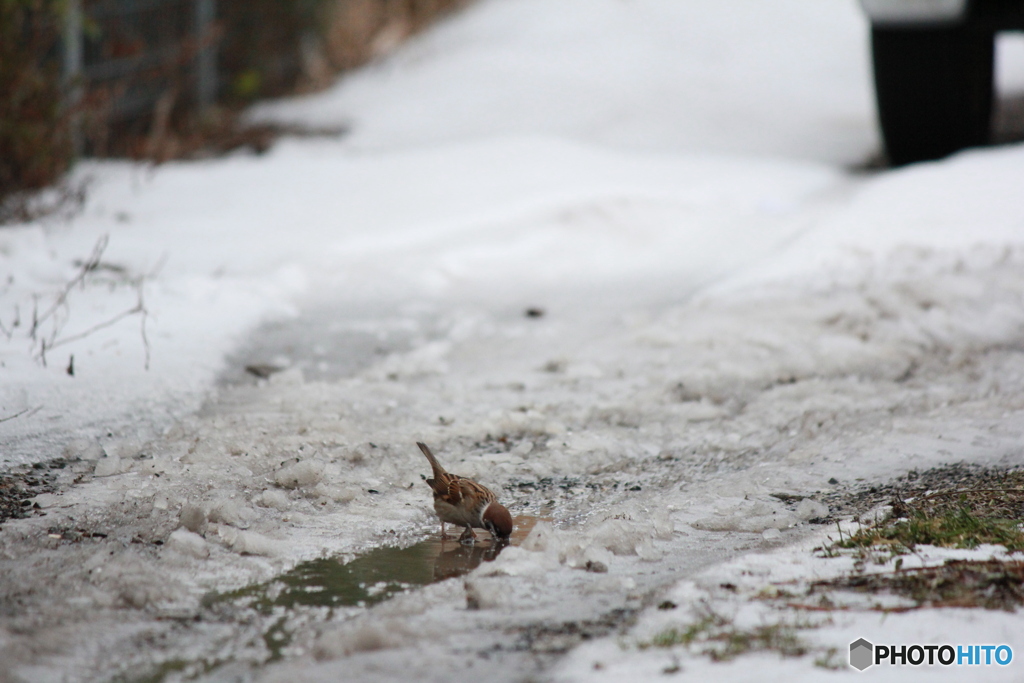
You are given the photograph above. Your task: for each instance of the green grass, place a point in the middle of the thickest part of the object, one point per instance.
(671, 637)
(980, 507)
(952, 528)
(830, 660)
(720, 640)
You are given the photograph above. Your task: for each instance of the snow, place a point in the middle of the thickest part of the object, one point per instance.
(727, 311)
(787, 79)
(787, 570)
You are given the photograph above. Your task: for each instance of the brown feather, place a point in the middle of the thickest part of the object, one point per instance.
(462, 501)
(454, 493)
(439, 471)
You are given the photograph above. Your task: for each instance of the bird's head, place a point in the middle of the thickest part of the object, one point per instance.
(498, 521)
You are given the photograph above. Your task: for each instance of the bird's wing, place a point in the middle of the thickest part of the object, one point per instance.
(474, 491)
(453, 491)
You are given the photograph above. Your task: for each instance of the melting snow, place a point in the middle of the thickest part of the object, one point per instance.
(727, 313)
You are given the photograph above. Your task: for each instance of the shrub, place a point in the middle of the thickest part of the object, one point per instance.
(35, 140)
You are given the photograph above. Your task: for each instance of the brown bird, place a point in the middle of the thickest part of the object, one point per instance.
(462, 501)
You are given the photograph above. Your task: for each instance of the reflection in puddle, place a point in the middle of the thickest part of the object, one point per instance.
(330, 583)
(373, 577)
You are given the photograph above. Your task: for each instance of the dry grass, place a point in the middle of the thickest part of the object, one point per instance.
(953, 507)
(991, 584)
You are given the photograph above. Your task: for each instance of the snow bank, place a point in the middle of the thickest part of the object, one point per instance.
(750, 593)
(788, 78)
(466, 222)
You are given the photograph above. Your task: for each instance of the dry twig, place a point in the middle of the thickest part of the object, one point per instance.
(55, 316)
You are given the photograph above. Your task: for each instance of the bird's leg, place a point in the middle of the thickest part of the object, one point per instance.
(444, 536)
(467, 536)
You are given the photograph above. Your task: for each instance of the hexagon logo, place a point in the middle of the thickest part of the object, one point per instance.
(862, 654)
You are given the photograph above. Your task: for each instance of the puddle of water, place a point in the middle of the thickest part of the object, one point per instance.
(368, 579)
(372, 577)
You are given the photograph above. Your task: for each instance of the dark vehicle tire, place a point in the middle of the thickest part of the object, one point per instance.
(933, 86)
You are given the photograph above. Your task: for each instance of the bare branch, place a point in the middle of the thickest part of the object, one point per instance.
(35, 316)
(144, 316)
(28, 411)
(89, 265)
(48, 325)
(95, 328)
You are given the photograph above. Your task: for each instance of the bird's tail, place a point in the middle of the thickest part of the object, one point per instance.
(434, 464)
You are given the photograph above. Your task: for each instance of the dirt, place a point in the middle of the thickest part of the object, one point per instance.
(546, 638)
(987, 493)
(992, 584)
(20, 485)
(952, 484)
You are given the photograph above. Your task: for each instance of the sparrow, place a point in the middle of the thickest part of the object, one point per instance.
(462, 501)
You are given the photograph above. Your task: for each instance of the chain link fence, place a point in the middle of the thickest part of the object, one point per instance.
(128, 64)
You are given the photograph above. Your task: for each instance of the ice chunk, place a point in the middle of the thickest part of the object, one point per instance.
(108, 466)
(188, 543)
(46, 500)
(247, 542)
(752, 524)
(302, 474)
(362, 636)
(663, 526)
(523, 448)
(517, 562)
(540, 539)
(229, 511)
(151, 467)
(811, 509)
(485, 592)
(578, 551)
(646, 551)
(619, 536)
(86, 449)
(748, 516)
(125, 449)
(275, 498)
(193, 517)
(339, 494)
(771, 534)
(594, 557)
(252, 543)
(136, 582)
